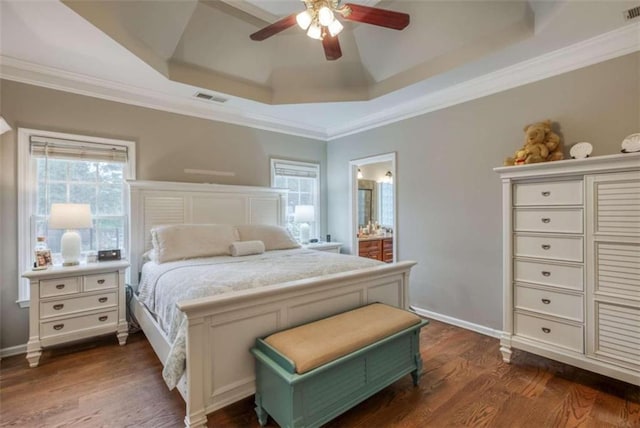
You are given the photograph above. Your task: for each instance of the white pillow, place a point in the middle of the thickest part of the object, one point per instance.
(246, 248)
(273, 237)
(186, 241)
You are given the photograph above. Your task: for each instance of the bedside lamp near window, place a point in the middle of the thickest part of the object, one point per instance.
(303, 214)
(70, 217)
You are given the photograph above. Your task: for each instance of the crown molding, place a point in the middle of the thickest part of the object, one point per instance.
(76, 83)
(613, 44)
(601, 48)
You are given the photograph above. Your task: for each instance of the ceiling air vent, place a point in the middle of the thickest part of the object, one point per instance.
(209, 97)
(632, 13)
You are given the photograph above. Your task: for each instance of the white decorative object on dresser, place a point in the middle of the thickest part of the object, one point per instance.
(330, 247)
(571, 243)
(72, 303)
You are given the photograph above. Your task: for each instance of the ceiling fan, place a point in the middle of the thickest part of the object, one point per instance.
(320, 22)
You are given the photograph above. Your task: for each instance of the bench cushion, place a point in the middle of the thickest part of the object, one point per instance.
(317, 343)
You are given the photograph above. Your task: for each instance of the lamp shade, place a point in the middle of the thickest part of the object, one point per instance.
(304, 213)
(4, 126)
(70, 216)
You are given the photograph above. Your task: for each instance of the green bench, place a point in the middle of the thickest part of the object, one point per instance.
(307, 375)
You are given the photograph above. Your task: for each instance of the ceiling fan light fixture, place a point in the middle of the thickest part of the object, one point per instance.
(335, 28)
(315, 32)
(304, 19)
(325, 16)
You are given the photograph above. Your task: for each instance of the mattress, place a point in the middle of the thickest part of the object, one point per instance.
(164, 285)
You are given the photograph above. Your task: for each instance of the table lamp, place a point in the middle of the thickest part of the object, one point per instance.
(70, 217)
(303, 214)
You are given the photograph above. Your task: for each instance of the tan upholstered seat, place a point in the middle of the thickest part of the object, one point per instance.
(317, 343)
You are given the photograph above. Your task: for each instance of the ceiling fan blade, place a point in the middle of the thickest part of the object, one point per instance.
(375, 16)
(274, 28)
(331, 47)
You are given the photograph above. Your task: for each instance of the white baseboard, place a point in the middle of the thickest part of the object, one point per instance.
(458, 322)
(13, 350)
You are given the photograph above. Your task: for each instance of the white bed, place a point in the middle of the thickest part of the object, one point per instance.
(220, 329)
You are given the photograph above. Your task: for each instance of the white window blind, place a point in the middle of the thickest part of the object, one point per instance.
(55, 148)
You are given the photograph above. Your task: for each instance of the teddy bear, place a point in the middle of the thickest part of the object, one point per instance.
(541, 145)
(554, 145)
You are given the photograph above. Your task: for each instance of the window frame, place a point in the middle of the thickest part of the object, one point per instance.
(27, 186)
(315, 167)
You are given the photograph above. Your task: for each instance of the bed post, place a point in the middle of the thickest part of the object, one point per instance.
(196, 416)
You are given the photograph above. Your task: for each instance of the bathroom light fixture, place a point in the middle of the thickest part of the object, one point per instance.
(359, 174)
(388, 177)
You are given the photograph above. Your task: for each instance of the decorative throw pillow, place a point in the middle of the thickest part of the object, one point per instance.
(273, 237)
(246, 248)
(186, 241)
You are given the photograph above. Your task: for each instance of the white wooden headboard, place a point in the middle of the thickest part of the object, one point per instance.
(156, 203)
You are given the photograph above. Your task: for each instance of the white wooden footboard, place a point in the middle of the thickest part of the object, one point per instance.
(222, 329)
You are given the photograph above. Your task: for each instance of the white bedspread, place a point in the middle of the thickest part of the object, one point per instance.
(163, 285)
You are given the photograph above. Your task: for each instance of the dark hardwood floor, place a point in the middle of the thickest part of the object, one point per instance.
(464, 383)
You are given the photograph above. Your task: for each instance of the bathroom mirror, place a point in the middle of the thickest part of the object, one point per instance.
(366, 202)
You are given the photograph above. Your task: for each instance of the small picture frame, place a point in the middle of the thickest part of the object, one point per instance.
(43, 259)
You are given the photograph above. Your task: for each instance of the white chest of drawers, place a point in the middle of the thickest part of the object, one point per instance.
(571, 244)
(72, 303)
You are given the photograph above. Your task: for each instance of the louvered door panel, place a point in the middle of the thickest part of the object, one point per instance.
(617, 333)
(617, 210)
(618, 269)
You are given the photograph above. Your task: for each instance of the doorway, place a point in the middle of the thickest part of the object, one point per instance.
(373, 196)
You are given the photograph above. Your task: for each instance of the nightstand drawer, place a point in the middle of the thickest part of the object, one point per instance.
(548, 220)
(77, 304)
(59, 287)
(100, 281)
(550, 193)
(553, 332)
(85, 322)
(564, 276)
(547, 247)
(549, 302)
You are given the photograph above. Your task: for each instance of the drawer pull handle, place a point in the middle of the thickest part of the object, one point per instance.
(546, 246)
(546, 273)
(58, 306)
(546, 193)
(546, 330)
(60, 286)
(103, 318)
(546, 220)
(58, 326)
(102, 299)
(546, 301)
(101, 281)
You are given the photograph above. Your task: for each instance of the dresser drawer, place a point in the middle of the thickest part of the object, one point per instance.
(549, 193)
(549, 302)
(570, 277)
(101, 281)
(59, 287)
(548, 220)
(553, 332)
(372, 245)
(77, 304)
(75, 324)
(547, 247)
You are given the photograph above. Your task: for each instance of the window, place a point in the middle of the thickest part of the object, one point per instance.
(303, 181)
(62, 168)
(385, 191)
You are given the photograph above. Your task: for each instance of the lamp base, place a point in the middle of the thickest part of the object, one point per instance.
(70, 247)
(304, 233)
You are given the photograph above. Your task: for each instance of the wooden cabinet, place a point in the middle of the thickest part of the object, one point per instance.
(571, 243)
(72, 303)
(376, 248)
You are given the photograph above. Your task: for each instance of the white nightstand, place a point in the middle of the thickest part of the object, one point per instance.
(330, 247)
(75, 302)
